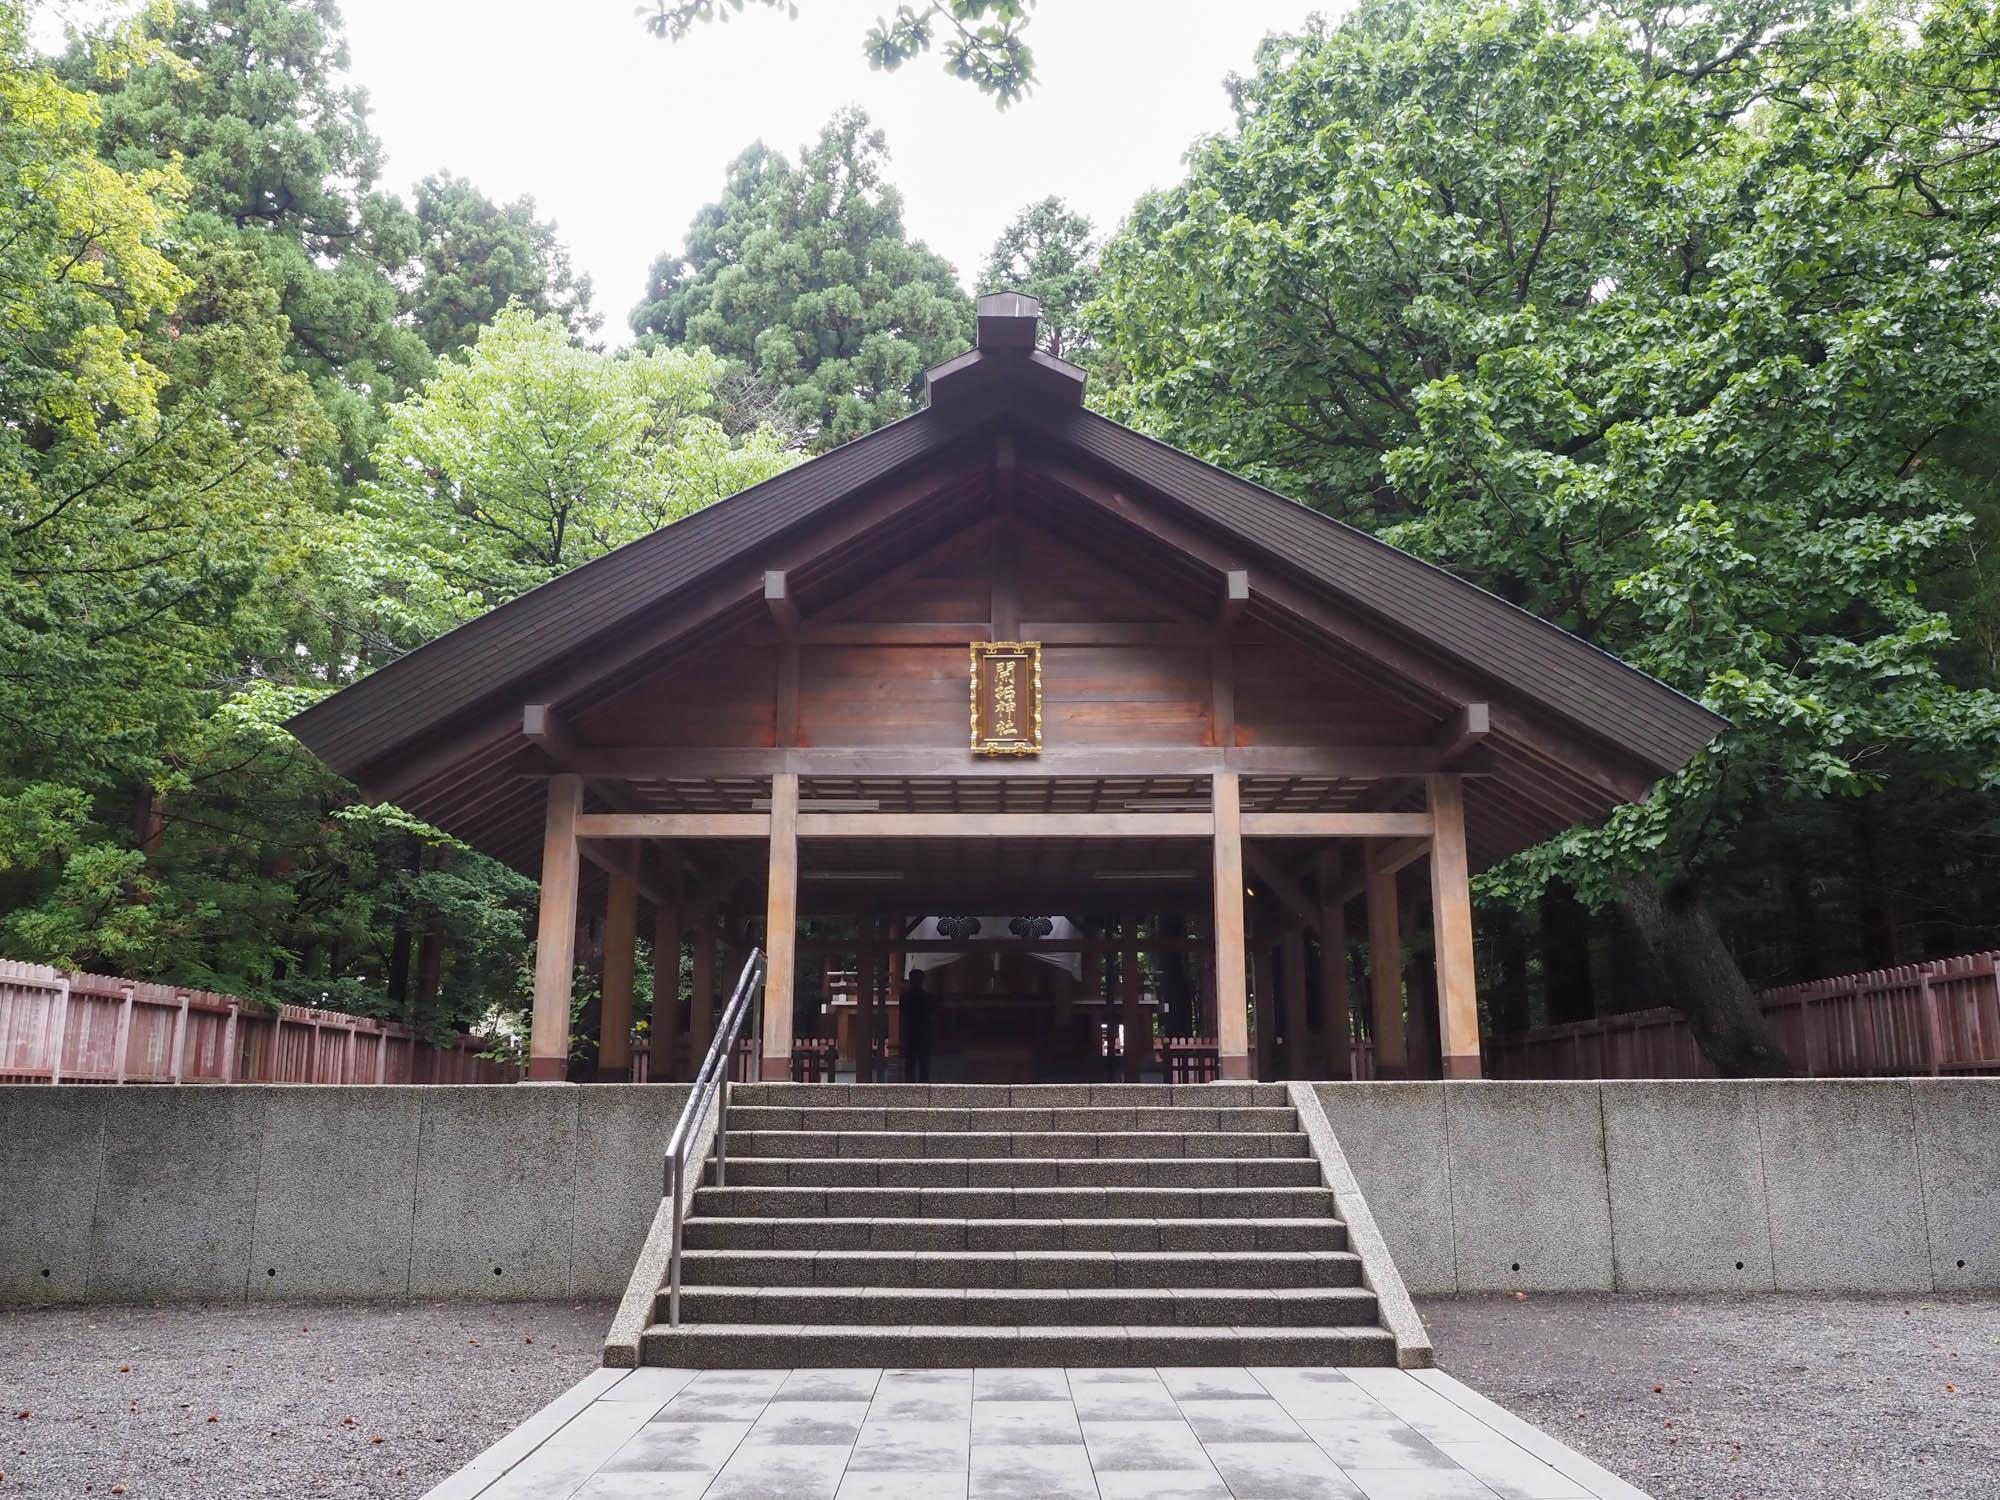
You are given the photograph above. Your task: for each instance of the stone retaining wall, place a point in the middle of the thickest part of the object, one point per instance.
(1867, 1185)
(132, 1194)
(115, 1194)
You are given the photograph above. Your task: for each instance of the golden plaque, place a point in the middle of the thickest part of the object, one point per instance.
(1006, 697)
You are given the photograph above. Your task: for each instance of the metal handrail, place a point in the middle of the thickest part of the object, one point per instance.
(713, 1079)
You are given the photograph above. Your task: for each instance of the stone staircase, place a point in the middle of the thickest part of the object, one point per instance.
(1054, 1224)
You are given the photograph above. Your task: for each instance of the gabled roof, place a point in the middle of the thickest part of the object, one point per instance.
(489, 664)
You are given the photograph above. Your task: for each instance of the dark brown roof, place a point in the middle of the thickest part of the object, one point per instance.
(487, 665)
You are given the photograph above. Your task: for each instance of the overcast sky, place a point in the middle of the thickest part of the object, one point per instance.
(620, 138)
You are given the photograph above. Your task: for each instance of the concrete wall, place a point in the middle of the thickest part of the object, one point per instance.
(110, 1194)
(300, 1191)
(1872, 1185)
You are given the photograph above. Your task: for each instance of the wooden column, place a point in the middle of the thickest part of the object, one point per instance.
(1451, 920)
(1298, 1038)
(781, 926)
(1336, 1028)
(1232, 999)
(555, 933)
(1385, 979)
(867, 1016)
(701, 1021)
(621, 943)
(1136, 1046)
(666, 1028)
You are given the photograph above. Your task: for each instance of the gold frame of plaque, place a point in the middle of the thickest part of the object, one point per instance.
(1004, 673)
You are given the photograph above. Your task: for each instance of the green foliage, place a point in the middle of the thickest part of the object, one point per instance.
(530, 456)
(249, 99)
(1646, 321)
(803, 278)
(475, 256)
(983, 41)
(1048, 252)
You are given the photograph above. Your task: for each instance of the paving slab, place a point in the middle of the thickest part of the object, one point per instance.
(1212, 1432)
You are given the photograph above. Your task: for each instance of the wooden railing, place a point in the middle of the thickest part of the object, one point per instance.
(58, 1027)
(1941, 1017)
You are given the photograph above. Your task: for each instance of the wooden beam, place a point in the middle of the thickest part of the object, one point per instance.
(1113, 633)
(1385, 977)
(901, 633)
(1235, 595)
(673, 825)
(555, 933)
(1462, 733)
(1451, 919)
(1232, 995)
(1222, 693)
(1096, 945)
(1129, 825)
(1005, 597)
(1386, 858)
(1311, 825)
(621, 938)
(781, 927)
(1265, 870)
(1357, 763)
(779, 601)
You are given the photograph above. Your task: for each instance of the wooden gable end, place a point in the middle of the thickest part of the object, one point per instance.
(883, 661)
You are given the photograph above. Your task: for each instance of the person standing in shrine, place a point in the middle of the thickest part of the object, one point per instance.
(916, 1003)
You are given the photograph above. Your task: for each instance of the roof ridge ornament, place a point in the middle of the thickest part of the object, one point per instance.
(1007, 353)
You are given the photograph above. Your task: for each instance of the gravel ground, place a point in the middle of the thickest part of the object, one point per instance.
(253, 1401)
(1761, 1398)
(1748, 1398)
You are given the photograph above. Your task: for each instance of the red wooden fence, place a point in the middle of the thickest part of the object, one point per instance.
(92, 1028)
(1937, 1017)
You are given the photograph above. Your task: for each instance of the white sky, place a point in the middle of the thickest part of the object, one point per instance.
(621, 138)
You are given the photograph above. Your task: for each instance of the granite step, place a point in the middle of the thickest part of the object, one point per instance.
(1013, 1202)
(1025, 1307)
(1012, 1172)
(1002, 1095)
(1243, 1235)
(740, 1346)
(990, 1144)
(1092, 1119)
(1069, 1269)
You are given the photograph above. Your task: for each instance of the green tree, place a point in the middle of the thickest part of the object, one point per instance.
(531, 456)
(804, 278)
(983, 41)
(1644, 319)
(475, 256)
(250, 99)
(1048, 252)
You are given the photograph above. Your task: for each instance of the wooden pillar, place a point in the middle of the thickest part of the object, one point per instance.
(1336, 1028)
(701, 1021)
(621, 942)
(1232, 1000)
(1136, 1045)
(1298, 1038)
(666, 1028)
(555, 933)
(867, 1018)
(781, 926)
(1263, 1048)
(1451, 924)
(1385, 979)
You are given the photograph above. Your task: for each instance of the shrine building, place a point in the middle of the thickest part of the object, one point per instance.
(1135, 759)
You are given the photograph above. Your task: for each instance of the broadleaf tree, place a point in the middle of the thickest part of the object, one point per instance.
(1645, 319)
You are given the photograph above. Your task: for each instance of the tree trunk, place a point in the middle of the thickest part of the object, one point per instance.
(1696, 970)
(1566, 956)
(1510, 996)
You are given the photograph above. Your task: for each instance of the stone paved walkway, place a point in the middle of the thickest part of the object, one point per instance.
(1008, 1434)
